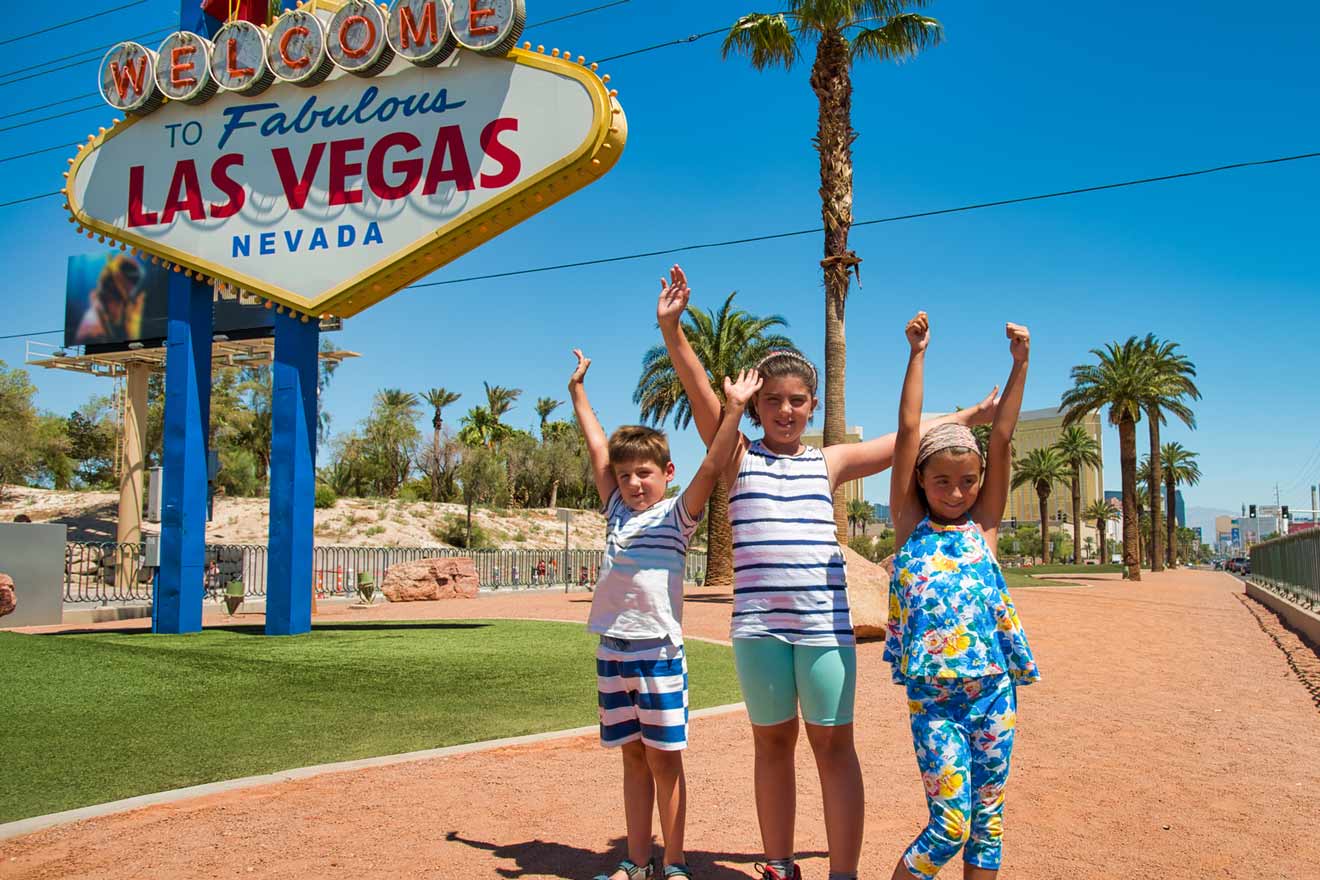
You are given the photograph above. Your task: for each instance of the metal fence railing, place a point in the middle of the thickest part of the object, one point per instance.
(110, 572)
(1290, 566)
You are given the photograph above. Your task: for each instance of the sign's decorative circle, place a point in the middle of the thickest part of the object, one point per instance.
(358, 39)
(419, 31)
(296, 49)
(490, 26)
(127, 79)
(183, 68)
(238, 59)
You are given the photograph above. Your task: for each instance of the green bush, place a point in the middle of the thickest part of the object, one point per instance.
(453, 531)
(325, 497)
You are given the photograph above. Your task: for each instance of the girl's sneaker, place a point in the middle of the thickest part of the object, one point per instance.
(677, 871)
(633, 871)
(769, 872)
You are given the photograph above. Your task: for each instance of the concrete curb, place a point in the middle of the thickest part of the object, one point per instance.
(11, 830)
(1295, 616)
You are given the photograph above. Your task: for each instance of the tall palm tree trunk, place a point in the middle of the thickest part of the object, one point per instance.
(435, 463)
(1044, 526)
(1077, 515)
(1153, 489)
(1104, 544)
(1127, 461)
(554, 494)
(719, 538)
(831, 80)
(1171, 521)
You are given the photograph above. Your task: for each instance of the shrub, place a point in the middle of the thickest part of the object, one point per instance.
(453, 531)
(325, 497)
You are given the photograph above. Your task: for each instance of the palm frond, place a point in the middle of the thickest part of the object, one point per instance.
(766, 39)
(898, 39)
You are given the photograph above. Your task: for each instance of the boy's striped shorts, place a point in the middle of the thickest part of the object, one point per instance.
(642, 691)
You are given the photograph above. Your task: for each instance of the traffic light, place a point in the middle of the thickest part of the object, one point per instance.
(1252, 508)
(1012, 522)
(1285, 511)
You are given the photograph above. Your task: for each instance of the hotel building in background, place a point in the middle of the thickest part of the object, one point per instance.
(1038, 428)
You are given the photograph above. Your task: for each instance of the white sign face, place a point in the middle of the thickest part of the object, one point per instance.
(330, 199)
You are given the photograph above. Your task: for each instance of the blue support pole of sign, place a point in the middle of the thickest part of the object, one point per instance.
(292, 477)
(179, 593)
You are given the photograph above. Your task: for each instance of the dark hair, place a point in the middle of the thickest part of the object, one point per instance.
(639, 443)
(949, 450)
(782, 363)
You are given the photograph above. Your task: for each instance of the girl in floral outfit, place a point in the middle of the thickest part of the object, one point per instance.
(954, 639)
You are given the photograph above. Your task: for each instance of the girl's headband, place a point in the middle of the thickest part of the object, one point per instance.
(946, 436)
(791, 355)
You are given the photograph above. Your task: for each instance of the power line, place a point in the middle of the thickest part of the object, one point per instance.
(71, 21)
(575, 14)
(34, 333)
(30, 198)
(25, 68)
(38, 152)
(48, 106)
(692, 38)
(53, 116)
(815, 230)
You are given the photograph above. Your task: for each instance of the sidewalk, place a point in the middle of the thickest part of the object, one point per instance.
(1169, 738)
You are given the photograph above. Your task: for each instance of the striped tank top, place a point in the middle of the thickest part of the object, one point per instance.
(789, 575)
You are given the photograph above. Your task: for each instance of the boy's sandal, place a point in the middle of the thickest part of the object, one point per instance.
(678, 870)
(631, 868)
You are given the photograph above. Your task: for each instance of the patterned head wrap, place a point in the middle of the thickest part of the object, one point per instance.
(946, 436)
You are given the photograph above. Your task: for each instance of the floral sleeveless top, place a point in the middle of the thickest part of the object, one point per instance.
(950, 615)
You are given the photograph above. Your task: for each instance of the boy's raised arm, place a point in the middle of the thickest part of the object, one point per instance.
(725, 443)
(598, 447)
(674, 296)
(903, 501)
(994, 491)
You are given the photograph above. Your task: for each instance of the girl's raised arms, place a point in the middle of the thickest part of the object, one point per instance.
(904, 503)
(989, 509)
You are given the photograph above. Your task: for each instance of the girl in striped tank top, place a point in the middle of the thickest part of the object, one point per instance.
(791, 626)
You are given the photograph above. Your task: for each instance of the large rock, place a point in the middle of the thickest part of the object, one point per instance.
(450, 577)
(8, 601)
(868, 594)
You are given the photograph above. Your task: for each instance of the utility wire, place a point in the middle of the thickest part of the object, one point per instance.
(814, 230)
(33, 333)
(4, 159)
(575, 14)
(25, 68)
(53, 116)
(48, 106)
(692, 38)
(71, 21)
(31, 198)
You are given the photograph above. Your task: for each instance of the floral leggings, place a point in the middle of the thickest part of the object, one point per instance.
(962, 730)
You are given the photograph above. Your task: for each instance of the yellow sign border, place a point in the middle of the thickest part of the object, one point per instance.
(597, 154)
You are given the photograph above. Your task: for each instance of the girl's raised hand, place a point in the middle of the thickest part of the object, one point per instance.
(1019, 341)
(918, 332)
(674, 296)
(580, 372)
(738, 393)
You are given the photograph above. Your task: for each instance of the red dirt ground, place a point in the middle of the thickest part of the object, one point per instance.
(1170, 738)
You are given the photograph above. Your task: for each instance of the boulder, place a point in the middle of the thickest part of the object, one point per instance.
(450, 577)
(8, 601)
(868, 594)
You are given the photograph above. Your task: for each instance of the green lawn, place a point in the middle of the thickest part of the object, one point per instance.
(1017, 580)
(1068, 568)
(95, 717)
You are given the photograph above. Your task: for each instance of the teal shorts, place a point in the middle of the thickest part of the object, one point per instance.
(777, 676)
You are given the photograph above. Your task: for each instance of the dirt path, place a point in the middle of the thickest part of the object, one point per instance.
(1169, 739)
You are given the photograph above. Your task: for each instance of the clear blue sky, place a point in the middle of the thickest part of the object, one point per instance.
(1021, 99)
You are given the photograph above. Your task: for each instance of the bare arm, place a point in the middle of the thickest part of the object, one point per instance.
(852, 461)
(598, 447)
(904, 505)
(674, 296)
(990, 504)
(716, 462)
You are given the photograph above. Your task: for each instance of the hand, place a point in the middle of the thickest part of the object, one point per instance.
(984, 412)
(1019, 341)
(918, 332)
(580, 372)
(736, 394)
(674, 296)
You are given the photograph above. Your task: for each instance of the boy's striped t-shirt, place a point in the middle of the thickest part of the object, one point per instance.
(790, 577)
(640, 591)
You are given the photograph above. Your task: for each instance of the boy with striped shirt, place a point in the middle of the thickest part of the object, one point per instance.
(637, 610)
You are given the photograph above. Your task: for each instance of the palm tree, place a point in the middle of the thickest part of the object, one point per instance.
(499, 400)
(726, 342)
(1120, 380)
(843, 31)
(545, 406)
(1078, 449)
(1172, 375)
(1042, 468)
(1180, 469)
(1101, 512)
(438, 399)
(481, 428)
(859, 513)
